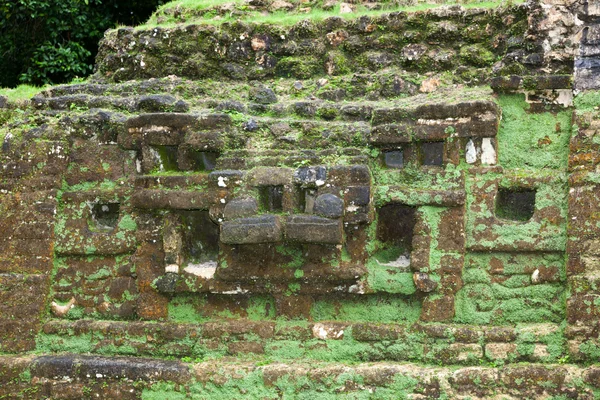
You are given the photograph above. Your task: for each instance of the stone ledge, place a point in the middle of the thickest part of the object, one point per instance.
(45, 376)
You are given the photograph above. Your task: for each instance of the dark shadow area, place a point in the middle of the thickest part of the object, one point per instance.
(200, 241)
(271, 198)
(515, 204)
(105, 215)
(432, 153)
(395, 226)
(393, 158)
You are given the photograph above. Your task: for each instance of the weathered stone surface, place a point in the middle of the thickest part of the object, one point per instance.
(22, 300)
(423, 282)
(313, 229)
(295, 256)
(262, 95)
(263, 229)
(329, 206)
(240, 208)
(136, 369)
(310, 176)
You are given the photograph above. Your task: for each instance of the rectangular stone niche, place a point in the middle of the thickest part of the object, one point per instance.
(202, 160)
(105, 215)
(432, 153)
(199, 241)
(306, 199)
(515, 204)
(271, 198)
(393, 158)
(182, 158)
(395, 226)
(165, 157)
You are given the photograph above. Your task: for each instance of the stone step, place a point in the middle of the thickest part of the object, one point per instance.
(444, 344)
(435, 40)
(180, 13)
(73, 376)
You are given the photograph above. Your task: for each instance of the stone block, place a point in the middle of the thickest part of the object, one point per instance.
(174, 200)
(391, 134)
(340, 175)
(437, 309)
(310, 176)
(357, 196)
(245, 347)
(262, 229)
(500, 351)
(22, 301)
(367, 332)
(240, 208)
(161, 102)
(294, 307)
(329, 330)
(150, 122)
(423, 282)
(313, 229)
(329, 206)
(270, 176)
(205, 140)
(262, 95)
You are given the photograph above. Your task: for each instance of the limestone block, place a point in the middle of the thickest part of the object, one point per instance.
(313, 229)
(329, 206)
(262, 229)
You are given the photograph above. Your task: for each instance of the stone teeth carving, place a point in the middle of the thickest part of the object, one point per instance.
(488, 153)
(471, 152)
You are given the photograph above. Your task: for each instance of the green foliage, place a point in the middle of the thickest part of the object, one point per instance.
(52, 41)
(20, 93)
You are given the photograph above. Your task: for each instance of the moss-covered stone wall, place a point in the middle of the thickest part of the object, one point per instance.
(392, 205)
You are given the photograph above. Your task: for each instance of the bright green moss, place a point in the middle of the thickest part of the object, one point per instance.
(371, 308)
(127, 223)
(588, 100)
(527, 140)
(182, 309)
(389, 279)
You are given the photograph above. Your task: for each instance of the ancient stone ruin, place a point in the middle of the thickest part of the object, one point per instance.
(365, 205)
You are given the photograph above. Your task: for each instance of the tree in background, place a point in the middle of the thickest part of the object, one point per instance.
(54, 41)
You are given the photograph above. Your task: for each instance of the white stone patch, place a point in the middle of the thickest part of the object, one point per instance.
(320, 182)
(238, 290)
(205, 270)
(172, 268)
(323, 332)
(488, 153)
(471, 152)
(535, 277)
(352, 208)
(157, 129)
(222, 201)
(358, 288)
(221, 181)
(402, 262)
(565, 97)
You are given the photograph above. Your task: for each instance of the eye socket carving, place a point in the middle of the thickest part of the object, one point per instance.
(515, 204)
